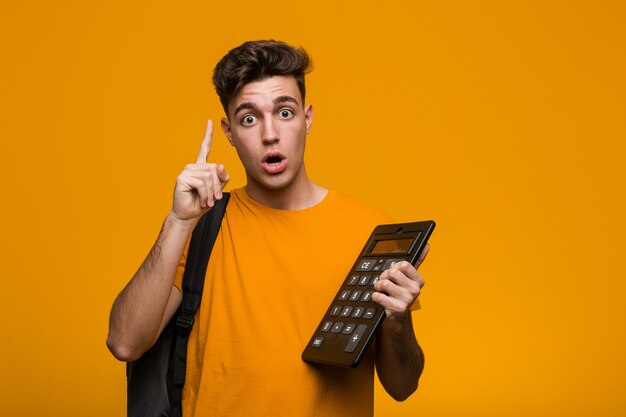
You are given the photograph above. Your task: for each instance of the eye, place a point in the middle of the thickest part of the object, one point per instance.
(248, 119)
(285, 113)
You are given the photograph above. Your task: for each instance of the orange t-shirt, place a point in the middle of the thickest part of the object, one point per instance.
(270, 279)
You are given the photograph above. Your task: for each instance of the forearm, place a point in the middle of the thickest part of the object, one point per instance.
(138, 310)
(400, 359)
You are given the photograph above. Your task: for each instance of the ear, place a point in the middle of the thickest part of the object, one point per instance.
(226, 129)
(308, 115)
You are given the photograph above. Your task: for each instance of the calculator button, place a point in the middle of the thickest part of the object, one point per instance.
(317, 342)
(327, 326)
(390, 263)
(356, 295)
(337, 327)
(344, 295)
(367, 296)
(364, 280)
(379, 265)
(346, 312)
(358, 312)
(366, 265)
(335, 311)
(353, 280)
(355, 338)
(348, 328)
(374, 279)
(369, 313)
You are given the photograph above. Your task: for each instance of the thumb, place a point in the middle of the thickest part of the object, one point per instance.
(222, 175)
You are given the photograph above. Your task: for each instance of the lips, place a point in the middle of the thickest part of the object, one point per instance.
(274, 163)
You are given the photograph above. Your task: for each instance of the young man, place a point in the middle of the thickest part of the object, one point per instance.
(275, 266)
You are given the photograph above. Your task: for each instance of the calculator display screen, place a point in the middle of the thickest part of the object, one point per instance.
(396, 246)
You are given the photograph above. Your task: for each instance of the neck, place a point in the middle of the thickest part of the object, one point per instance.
(293, 197)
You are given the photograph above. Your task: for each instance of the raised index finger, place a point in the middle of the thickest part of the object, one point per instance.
(205, 148)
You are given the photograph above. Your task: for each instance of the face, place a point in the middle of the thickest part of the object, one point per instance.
(267, 125)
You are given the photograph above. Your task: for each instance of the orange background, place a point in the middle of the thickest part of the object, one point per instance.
(503, 121)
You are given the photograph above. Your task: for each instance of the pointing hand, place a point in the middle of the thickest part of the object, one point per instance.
(199, 185)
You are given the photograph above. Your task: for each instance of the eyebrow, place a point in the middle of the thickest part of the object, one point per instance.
(285, 99)
(277, 100)
(246, 105)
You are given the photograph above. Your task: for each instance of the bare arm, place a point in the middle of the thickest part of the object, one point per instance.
(139, 311)
(399, 359)
(149, 300)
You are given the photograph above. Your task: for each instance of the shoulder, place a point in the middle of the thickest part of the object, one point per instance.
(352, 207)
(349, 223)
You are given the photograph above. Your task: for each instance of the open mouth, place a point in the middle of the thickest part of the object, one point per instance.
(274, 160)
(274, 163)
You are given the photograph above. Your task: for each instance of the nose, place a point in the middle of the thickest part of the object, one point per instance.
(270, 132)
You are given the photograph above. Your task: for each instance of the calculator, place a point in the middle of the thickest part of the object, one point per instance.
(352, 319)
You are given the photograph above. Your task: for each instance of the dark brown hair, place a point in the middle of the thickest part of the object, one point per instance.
(255, 61)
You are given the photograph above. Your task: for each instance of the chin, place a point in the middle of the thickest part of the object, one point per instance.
(277, 186)
(275, 183)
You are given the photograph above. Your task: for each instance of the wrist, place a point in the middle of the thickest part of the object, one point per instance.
(398, 322)
(181, 225)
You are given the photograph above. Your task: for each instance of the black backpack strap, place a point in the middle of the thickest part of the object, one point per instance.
(200, 247)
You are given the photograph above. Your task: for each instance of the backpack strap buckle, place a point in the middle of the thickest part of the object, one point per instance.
(184, 323)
